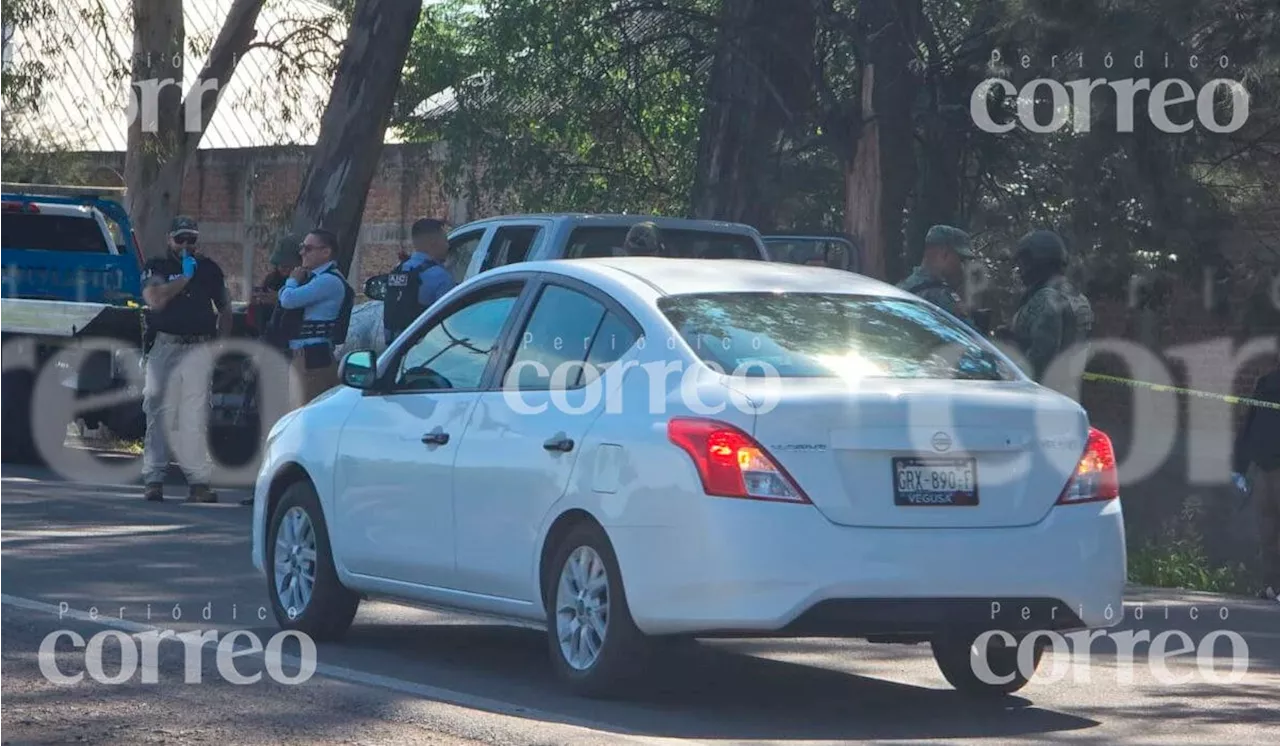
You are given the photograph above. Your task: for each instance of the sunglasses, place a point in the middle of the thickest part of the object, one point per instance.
(186, 239)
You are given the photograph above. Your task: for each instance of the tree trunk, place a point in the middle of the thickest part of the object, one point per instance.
(938, 186)
(761, 81)
(168, 127)
(346, 156)
(879, 180)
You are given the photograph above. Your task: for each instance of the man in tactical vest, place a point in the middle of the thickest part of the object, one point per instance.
(941, 270)
(312, 313)
(418, 281)
(1054, 315)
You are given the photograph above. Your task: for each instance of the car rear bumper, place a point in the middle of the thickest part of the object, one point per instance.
(744, 568)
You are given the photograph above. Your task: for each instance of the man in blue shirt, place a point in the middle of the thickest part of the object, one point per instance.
(419, 281)
(316, 307)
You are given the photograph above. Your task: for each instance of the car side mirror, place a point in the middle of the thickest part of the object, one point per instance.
(359, 369)
(376, 287)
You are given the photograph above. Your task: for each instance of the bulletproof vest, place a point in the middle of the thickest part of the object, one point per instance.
(288, 324)
(400, 306)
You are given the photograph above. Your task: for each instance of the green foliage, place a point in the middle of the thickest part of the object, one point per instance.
(578, 105)
(1181, 563)
(1176, 558)
(1125, 200)
(20, 81)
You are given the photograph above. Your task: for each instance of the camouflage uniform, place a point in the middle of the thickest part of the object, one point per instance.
(935, 289)
(1054, 314)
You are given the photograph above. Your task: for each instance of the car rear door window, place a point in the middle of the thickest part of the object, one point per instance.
(556, 340)
(511, 244)
(612, 340)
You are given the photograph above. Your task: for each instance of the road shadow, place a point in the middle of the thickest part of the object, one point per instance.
(698, 690)
(233, 476)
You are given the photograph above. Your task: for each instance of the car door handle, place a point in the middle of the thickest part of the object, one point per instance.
(436, 438)
(558, 443)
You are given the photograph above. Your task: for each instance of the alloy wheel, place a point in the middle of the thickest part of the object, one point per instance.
(582, 608)
(295, 561)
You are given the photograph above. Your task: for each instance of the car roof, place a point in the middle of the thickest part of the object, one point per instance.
(603, 220)
(668, 276)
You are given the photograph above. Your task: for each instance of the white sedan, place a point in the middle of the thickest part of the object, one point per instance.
(628, 451)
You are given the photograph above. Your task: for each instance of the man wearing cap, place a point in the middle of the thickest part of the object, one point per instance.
(941, 270)
(187, 307)
(418, 281)
(1053, 315)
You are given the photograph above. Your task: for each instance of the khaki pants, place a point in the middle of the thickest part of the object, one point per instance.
(175, 399)
(1266, 498)
(305, 384)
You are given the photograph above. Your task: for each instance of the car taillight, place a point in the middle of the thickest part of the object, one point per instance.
(1095, 477)
(731, 463)
(26, 207)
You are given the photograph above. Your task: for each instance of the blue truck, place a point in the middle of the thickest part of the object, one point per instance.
(71, 318)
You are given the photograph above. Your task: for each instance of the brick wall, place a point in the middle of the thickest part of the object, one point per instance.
(242, 198)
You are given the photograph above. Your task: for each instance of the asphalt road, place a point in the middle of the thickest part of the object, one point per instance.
(91, 558)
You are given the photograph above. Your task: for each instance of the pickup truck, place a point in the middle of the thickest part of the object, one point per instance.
(72, 280)
(494, 242)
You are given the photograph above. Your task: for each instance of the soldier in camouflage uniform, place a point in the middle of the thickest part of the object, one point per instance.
(941, 270)
(1054, 315)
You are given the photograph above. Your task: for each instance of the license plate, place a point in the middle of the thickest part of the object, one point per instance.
(935, 481)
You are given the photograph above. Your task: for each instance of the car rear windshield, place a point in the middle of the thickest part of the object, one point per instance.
(51, 233)
(599, 241)
(818, 335)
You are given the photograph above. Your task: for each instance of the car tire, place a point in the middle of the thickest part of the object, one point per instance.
(327, 611)
(22, 430)
(624, 650)
(958, 656)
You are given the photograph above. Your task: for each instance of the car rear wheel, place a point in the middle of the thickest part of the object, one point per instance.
(303, 584)
(25, 433)
(985, 667)
(596, 648)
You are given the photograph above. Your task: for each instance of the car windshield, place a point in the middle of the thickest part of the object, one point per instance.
(685, 244)
(823, 335)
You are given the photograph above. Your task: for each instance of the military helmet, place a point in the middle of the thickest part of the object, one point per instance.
(1042, 249)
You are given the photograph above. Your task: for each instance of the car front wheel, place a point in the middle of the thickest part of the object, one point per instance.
(986, 665)
(303, 584)
(596, 648)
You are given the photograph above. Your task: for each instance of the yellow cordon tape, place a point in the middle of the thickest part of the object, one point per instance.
(1189, 392)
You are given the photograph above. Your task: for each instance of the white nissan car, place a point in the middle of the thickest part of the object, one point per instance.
(629, 451)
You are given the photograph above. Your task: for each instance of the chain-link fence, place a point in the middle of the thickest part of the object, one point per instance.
(68, 66)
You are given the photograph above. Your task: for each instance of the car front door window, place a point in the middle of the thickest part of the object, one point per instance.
(453, 354)
(461, 249)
